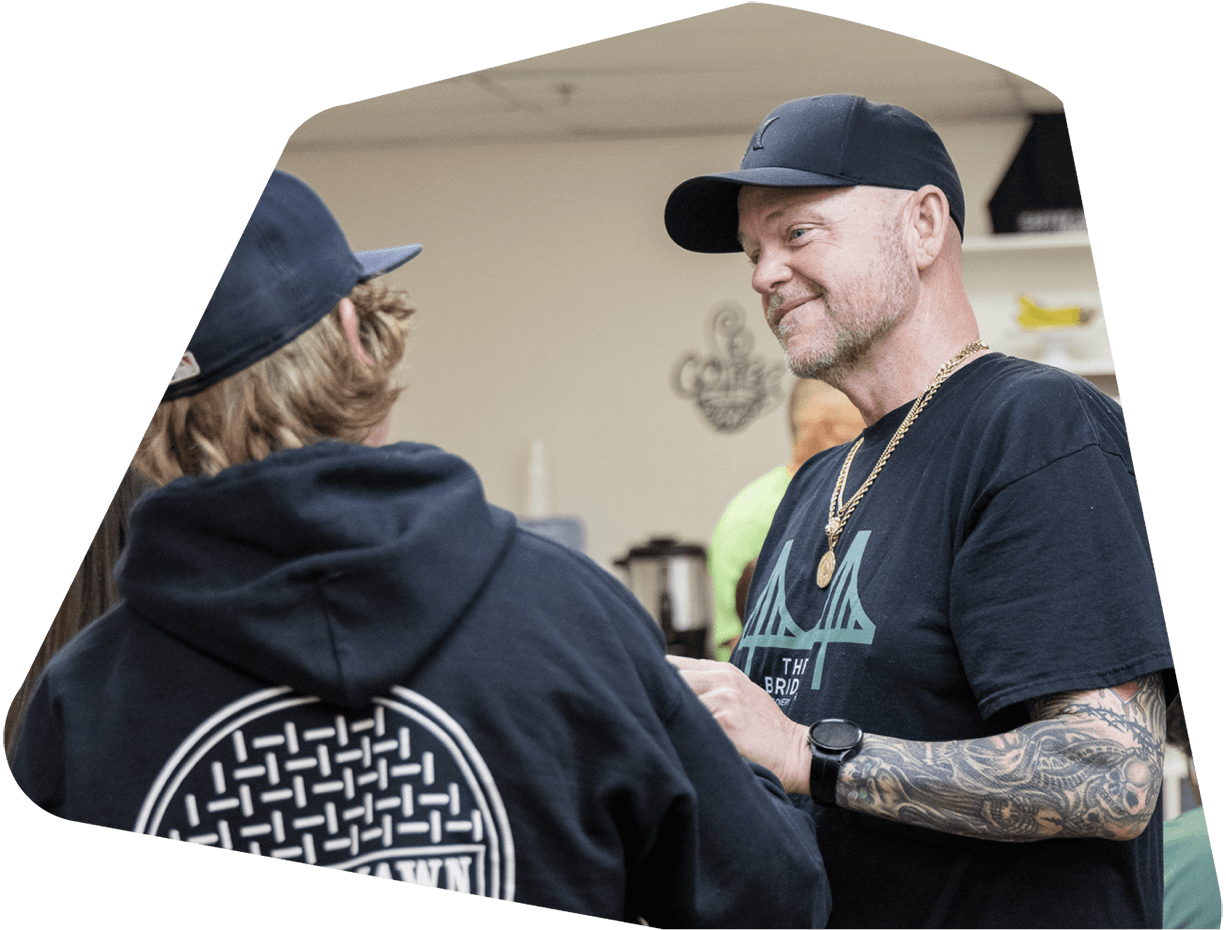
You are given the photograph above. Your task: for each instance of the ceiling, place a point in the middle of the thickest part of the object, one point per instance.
(711, 74)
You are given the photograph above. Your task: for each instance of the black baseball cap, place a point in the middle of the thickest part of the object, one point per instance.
(836, 140)
(292, 265)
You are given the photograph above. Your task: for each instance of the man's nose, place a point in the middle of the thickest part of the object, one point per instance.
(770, 271)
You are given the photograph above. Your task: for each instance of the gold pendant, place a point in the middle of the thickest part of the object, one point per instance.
(825, 569)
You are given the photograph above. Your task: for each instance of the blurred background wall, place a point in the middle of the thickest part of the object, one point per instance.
(553, 307)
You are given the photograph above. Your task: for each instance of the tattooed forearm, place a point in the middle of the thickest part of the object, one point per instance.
(1089, 764)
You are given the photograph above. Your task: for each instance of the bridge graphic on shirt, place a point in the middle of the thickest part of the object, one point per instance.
(770, 625)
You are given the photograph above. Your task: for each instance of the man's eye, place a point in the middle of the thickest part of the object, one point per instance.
(797, 233)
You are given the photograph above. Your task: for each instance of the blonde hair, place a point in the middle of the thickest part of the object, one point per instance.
(309, 390)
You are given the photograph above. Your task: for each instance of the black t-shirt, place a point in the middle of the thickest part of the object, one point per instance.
(999, 556)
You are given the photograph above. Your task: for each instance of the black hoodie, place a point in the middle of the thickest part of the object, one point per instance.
(345, 656)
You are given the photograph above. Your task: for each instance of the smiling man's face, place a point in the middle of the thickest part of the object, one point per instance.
(832, 267)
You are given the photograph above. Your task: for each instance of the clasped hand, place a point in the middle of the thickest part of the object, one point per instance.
(750, 717)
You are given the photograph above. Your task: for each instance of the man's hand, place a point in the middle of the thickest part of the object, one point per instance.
(753, 721)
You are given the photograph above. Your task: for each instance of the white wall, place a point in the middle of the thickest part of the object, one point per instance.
(553, 306)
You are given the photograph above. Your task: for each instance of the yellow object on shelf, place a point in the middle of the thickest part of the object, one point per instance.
(1032, 316)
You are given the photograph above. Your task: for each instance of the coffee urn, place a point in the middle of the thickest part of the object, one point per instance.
(670, 579)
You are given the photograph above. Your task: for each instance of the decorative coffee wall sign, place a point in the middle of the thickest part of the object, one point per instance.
(730, 387)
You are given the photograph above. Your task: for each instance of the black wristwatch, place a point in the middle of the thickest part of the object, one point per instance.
(832, 742)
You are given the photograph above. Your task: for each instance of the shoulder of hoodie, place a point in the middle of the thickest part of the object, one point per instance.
(565, 567)
(640, 636)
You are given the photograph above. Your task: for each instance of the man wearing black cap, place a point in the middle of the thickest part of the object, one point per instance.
(955, 656)
(334, 651)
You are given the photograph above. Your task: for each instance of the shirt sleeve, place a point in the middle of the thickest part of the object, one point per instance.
(1054, 589)
(733, 851)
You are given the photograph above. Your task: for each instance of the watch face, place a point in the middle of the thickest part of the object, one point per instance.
(837, 735)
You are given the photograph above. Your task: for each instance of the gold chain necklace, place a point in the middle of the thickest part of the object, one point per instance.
(840, 513)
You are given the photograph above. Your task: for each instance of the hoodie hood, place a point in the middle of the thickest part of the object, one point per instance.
(335, 569)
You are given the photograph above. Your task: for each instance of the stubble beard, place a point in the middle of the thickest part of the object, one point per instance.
(860, 318)
(852, 344)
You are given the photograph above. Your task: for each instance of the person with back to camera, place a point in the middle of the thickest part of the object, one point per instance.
(818, 417)
(335, 651)
(954, 655)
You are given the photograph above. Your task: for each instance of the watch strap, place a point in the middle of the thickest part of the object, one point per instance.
(840, 741)
(824, 776)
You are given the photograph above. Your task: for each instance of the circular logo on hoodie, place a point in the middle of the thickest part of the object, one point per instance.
(398, 791)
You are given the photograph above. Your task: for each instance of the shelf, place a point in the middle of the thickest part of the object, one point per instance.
(1024, 242)
(1056, 269)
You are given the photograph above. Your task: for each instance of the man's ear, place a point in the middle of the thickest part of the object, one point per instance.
(349, 326)
(930, 221)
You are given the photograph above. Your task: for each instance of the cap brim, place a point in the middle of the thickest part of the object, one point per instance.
(381, 261)
(701, 213)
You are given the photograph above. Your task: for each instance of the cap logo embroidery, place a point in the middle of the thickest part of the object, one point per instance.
(758, 144)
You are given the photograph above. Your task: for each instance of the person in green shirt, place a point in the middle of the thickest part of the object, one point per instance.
(1191, 896)
(820, 417)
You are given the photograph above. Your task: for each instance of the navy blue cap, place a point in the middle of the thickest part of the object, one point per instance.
(292, 265)
(836, 140)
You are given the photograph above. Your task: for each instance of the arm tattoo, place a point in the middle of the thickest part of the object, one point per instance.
(1088, 764)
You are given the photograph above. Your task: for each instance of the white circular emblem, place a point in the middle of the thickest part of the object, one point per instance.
(398, 791)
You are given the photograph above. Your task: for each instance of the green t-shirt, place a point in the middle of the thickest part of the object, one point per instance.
(1191, 897)
(736, 541)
